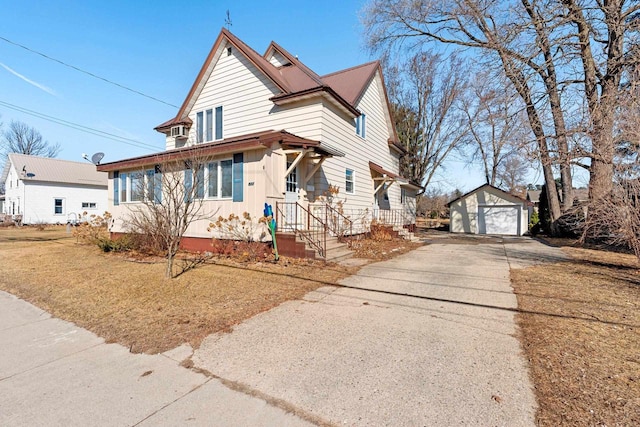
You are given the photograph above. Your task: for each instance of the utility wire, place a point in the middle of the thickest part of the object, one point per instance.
(82, 128)
(86, 72)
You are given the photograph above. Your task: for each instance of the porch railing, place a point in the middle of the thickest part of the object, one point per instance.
(394, 217)
(314, 224)
(293, 217)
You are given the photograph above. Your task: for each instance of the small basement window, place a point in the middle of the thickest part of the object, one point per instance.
(89, 205)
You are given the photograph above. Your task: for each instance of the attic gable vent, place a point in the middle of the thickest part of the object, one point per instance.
(229, 51)
(179, 132)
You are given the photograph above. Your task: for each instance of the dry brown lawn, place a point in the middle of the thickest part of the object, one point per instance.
(132, 303)
(580, 323)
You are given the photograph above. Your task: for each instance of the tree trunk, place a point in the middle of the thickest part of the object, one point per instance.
(520, 83)
(170, 257)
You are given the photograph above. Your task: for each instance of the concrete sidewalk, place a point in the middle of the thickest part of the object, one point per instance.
(53, 373)
(427, 338)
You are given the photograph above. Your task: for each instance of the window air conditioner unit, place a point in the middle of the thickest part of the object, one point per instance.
(179, 132)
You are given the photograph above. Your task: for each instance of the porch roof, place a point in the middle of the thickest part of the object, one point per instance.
(394, 177)
(382, 171)
(235, 144)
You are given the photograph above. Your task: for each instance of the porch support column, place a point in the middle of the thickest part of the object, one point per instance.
(297, 160)
(313, 171)
(384, 181)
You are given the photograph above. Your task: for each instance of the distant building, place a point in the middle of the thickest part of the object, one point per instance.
(488, 210)
(44, 190)
(580, 196)
(533, 196)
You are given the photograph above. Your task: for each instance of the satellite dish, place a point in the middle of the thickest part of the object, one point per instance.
(95, 159)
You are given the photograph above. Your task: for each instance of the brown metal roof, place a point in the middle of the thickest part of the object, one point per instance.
(351, 83)
(294, 80)
(382, 171)
(236, 144)
(261, 63)
(298, 76)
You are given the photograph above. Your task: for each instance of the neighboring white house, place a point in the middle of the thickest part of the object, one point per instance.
(489, 210)
(273, 131)
(42, 190)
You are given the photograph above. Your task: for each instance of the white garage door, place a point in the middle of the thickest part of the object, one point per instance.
(498, 220)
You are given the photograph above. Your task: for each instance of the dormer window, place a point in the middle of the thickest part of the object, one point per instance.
(361, 124)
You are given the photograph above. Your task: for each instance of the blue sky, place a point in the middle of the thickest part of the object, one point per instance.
(156, 48)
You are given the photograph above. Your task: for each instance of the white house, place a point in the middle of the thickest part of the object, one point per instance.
(273, 131)
(488, 210)
(42, 190)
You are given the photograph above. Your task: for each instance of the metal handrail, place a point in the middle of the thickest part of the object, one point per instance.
(310, 228)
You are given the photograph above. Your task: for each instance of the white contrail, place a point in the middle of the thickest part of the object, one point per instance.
(31, 82)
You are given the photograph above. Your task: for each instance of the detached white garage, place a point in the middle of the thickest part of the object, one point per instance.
(488, 210)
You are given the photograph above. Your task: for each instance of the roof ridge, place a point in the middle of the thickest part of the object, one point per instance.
(237, 40)
(50, 158)
(350, 68)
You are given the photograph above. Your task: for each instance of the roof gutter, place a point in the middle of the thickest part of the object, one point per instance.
(319, 90)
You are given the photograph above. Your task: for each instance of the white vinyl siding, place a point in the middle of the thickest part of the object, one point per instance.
(244, 91)
(338, 129)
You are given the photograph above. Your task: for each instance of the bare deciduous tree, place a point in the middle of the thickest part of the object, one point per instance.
(559, 55)
(615, 219)
(498, 132)
(512, 173)
(426, 93)
(170, 200)
(24, 139)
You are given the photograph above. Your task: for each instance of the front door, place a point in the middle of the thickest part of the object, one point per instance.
(291, 198)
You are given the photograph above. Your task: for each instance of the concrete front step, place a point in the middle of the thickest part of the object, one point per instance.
(295, 246)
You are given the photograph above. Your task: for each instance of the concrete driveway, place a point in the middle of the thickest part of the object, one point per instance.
(427, 338)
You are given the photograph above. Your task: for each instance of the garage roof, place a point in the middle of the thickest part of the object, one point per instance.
(506, 195)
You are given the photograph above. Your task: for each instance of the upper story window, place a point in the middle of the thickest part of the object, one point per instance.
(361, 125)
(209, 125)
(349, 181)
